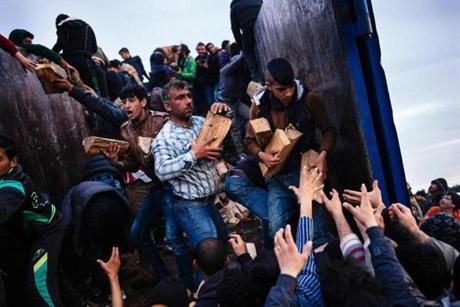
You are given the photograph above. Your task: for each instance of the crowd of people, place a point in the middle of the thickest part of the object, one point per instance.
(316, 246)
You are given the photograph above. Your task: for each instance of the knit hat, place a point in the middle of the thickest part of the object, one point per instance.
(60, 18)
(444, 227)
(281, 71)
(169, 292)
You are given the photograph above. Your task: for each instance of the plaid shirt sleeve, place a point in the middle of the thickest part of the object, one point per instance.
(168, 166)
(308, 290)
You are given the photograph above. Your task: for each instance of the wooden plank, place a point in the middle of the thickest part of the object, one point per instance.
(262, 131)
(216, 126)
(281, 144)
(94, 145)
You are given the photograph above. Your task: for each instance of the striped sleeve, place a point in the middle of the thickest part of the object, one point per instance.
(308, 291)
(351, 247)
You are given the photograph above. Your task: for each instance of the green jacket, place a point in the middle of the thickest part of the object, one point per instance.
(16, 37)
(188, 70)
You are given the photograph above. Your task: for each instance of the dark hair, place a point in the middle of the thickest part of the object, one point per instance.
(455, 199)
(200, 44)
(169, 292)
(174, 48)
(343, 283)
(185, 49)
(235, 291)
(8, 146)
(133, 91)
(234, 49)
(281, 71)
(263, 273)
(210, 255)
(115, 63)
(124, 49)
(224, 44)
(426, 265)
(177, 84)
(207, 46)
(60, 18)
(441, 183)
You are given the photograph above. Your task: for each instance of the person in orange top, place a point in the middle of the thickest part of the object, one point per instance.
(450, 204)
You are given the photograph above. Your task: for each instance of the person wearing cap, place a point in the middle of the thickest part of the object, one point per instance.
(286, 100)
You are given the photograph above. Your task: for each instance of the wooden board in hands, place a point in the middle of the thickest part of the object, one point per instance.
(215, 127)
(47, 74)
(94, 145)
(281, 145)
(309, 160)
(262, 131)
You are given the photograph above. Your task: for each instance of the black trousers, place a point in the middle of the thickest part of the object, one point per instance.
(249, 51)
(42, 277)
(86, 69)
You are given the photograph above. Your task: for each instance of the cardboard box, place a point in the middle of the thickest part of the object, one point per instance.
(262, 131)
(216, 126)
(94, 145)
(47, 73)
(282, 143)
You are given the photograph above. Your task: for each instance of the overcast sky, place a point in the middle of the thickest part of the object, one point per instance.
(420, 44)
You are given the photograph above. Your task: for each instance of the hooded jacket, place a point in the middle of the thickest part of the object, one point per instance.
(17, 35)
(75, 38)
(22, 206)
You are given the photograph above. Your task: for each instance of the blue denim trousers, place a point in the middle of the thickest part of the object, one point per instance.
(160, 199)
(282, 206)
(200, 220)
(241, 190)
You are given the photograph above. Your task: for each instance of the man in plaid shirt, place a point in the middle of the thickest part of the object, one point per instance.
(189, 167)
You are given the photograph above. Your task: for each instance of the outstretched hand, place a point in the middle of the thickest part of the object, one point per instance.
(111, 152)
(309, 186)
(375, 196)
(290, 261)
(62, 84)
(238, 244)
(25, 62)
(333, 205)
(364, 213)
(111, 267)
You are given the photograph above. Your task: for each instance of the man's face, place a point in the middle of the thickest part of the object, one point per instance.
(211, 48)
(27, 40)
(180, 103)
(434, 190)
(125, 55)
(5, 163)
(134, 107)
(201, 50)
(281, 92)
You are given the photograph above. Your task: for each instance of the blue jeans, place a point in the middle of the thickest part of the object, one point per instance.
(241, 190)
(161, 199)
(208, 93)
(200, 220)
(282, 206)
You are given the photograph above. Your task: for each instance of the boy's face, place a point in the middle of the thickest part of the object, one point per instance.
(5, 163)
(134, 107)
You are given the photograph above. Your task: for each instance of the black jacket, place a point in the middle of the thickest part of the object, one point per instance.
(210, 75)
(136, 62)
(75, 38)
